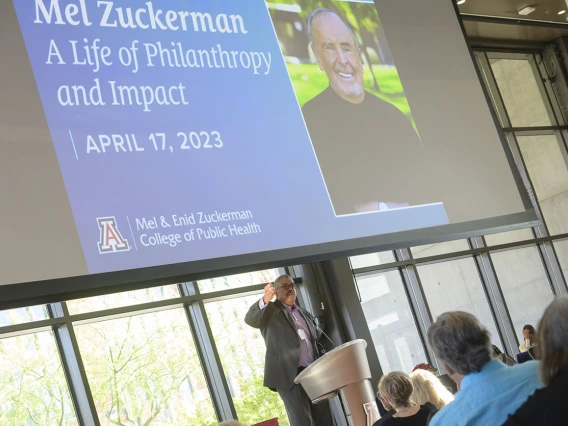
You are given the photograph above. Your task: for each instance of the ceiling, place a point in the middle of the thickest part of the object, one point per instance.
(516, 33)
(500, 20)
(545, 10)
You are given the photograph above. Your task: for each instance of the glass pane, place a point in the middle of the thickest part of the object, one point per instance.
(561, 248)
(127, 298)
(456, 286)
(33, 390)
(509, 237)
(372, 259)
(547, 169)
(520, 92)
(524, 284)
(23, 315)
(144, 369)
(240, 280)
(390, 321)
(241, 349)
(439, 248)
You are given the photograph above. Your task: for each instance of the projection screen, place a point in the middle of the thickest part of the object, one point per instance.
(149, 141)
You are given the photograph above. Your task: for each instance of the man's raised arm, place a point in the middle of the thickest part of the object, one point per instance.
(260, 311)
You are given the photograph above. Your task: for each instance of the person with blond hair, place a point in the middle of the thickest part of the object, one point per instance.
(547, 406)
(428, 388)
(396, 389)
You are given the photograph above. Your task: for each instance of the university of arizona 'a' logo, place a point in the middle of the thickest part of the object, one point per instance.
(111, 240)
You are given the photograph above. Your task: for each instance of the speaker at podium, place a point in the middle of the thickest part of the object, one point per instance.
(343, 372)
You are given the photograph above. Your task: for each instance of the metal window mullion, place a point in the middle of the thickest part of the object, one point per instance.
(495, 297)
(545, 88)
(493, 89)
(73, 367)
(546, 250)
(417, 299)
(554, 273)
(208, 355)
(511, 148)
(521, 166)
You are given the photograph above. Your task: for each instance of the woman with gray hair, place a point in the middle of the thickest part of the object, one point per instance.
(489, 390)
(396, 388)
(547, 407)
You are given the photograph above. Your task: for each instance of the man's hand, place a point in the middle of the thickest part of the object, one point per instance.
(269, 292)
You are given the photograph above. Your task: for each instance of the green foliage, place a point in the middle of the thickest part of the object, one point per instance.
(356, 14)
(32, 384)
(142, 371)
(259, 403)
(383, 81)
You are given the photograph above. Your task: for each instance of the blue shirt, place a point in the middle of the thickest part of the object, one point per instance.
(488, 397)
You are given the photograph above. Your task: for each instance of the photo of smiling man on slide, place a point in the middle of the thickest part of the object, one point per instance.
(353, 107)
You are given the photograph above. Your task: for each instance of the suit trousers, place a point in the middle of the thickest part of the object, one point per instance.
(301, 411)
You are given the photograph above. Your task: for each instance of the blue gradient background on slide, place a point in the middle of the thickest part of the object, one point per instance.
(267, 155)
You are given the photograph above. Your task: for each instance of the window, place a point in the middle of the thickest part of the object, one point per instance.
(372, 259)
(390, 321)
(509, 237)
(144, 369)
(23, 315)
(241, 349)
(240, 280)
(520, 92)
(561, 248)
(455, 286)
(439, 248)
(33, 390)
(547, 168)
(117, 300)
(524, 284)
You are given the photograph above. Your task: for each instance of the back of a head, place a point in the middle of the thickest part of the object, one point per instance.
(428, 388)
(396, 388)
(553, 340)
(230, 423)
(460, 340)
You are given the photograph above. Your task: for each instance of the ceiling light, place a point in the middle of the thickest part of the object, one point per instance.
(562, 12)
(460, 2)
(527, 10)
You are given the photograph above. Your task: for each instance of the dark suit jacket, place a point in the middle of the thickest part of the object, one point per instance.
(282, 342)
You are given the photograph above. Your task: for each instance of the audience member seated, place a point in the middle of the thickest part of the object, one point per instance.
(498, 354)
(428, 388)
(395, 389)
(384, 407)
(529, 334)
(488, 389)
(547, 407)
(529, 355)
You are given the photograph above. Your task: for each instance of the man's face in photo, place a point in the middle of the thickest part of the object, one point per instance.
(338, 55)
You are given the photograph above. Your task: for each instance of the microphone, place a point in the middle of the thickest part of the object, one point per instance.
(323, 332)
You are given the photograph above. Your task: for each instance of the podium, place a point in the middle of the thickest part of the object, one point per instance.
(343, 372)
